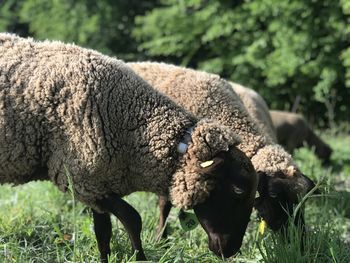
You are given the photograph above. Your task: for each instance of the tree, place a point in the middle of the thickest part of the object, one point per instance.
(104, 25)
(9, 17)
(281, 48)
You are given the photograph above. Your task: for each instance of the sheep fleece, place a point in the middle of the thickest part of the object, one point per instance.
(257, 108)
(208, 95)
(65, 109)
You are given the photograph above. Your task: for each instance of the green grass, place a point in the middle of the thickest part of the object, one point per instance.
(40, 224)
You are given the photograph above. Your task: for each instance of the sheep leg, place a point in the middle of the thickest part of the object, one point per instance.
(103, 232)
(130, 219)
(164, 208)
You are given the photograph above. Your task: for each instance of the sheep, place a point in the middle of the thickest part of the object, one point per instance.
(288, 129)
(208, 95)
(257, 109)
(292, 131)
(63, 107)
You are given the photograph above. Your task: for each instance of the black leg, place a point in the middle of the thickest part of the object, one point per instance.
(164, 208)
(103, 232)
(130, 219)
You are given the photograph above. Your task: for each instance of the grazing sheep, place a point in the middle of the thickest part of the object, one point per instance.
(288, 129)
(207, 95)
(292, 131)
(257, 109)
(63, 107)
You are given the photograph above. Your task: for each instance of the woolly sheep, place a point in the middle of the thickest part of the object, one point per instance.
(288, 129)
(63, 107)
(257, 109)
(207, 95)
(292, 131)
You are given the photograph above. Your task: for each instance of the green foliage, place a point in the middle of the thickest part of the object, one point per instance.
(9, 17)
(104, 25)
(63, 15)
(284, 49)
(346, 59)
(281, 48)
(346, 53)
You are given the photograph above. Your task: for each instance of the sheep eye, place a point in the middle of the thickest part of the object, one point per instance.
(238, 190)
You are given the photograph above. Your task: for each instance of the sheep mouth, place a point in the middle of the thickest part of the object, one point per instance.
(222, 248)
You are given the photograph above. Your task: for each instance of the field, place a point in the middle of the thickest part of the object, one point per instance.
(40, 224)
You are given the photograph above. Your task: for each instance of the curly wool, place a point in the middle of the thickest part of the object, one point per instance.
(190, 187)
(207, 95)
(257, 108)
(273, 158)
(63, 107)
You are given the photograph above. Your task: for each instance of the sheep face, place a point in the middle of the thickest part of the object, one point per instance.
(224, 215)
(278, 195)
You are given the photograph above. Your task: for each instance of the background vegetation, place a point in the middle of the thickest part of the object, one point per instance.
(289, 50)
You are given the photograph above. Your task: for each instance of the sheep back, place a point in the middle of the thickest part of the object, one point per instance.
(257, 108)
(292, 131)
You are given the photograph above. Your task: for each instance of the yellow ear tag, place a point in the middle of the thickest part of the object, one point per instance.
(206, 164)
(262, 226)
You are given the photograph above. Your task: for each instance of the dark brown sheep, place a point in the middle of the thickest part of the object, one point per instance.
(208, 95)
(293, 131)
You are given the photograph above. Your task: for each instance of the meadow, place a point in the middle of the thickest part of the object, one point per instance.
(38, 223)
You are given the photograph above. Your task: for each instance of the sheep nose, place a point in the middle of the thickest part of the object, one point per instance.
(221, 246)
(215, 244)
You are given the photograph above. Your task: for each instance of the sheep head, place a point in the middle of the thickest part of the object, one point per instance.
(281, 185)
(218, 181)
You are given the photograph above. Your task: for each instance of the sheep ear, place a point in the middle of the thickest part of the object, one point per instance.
(211, 165)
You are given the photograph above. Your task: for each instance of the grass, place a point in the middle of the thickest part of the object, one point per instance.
(40, 224)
